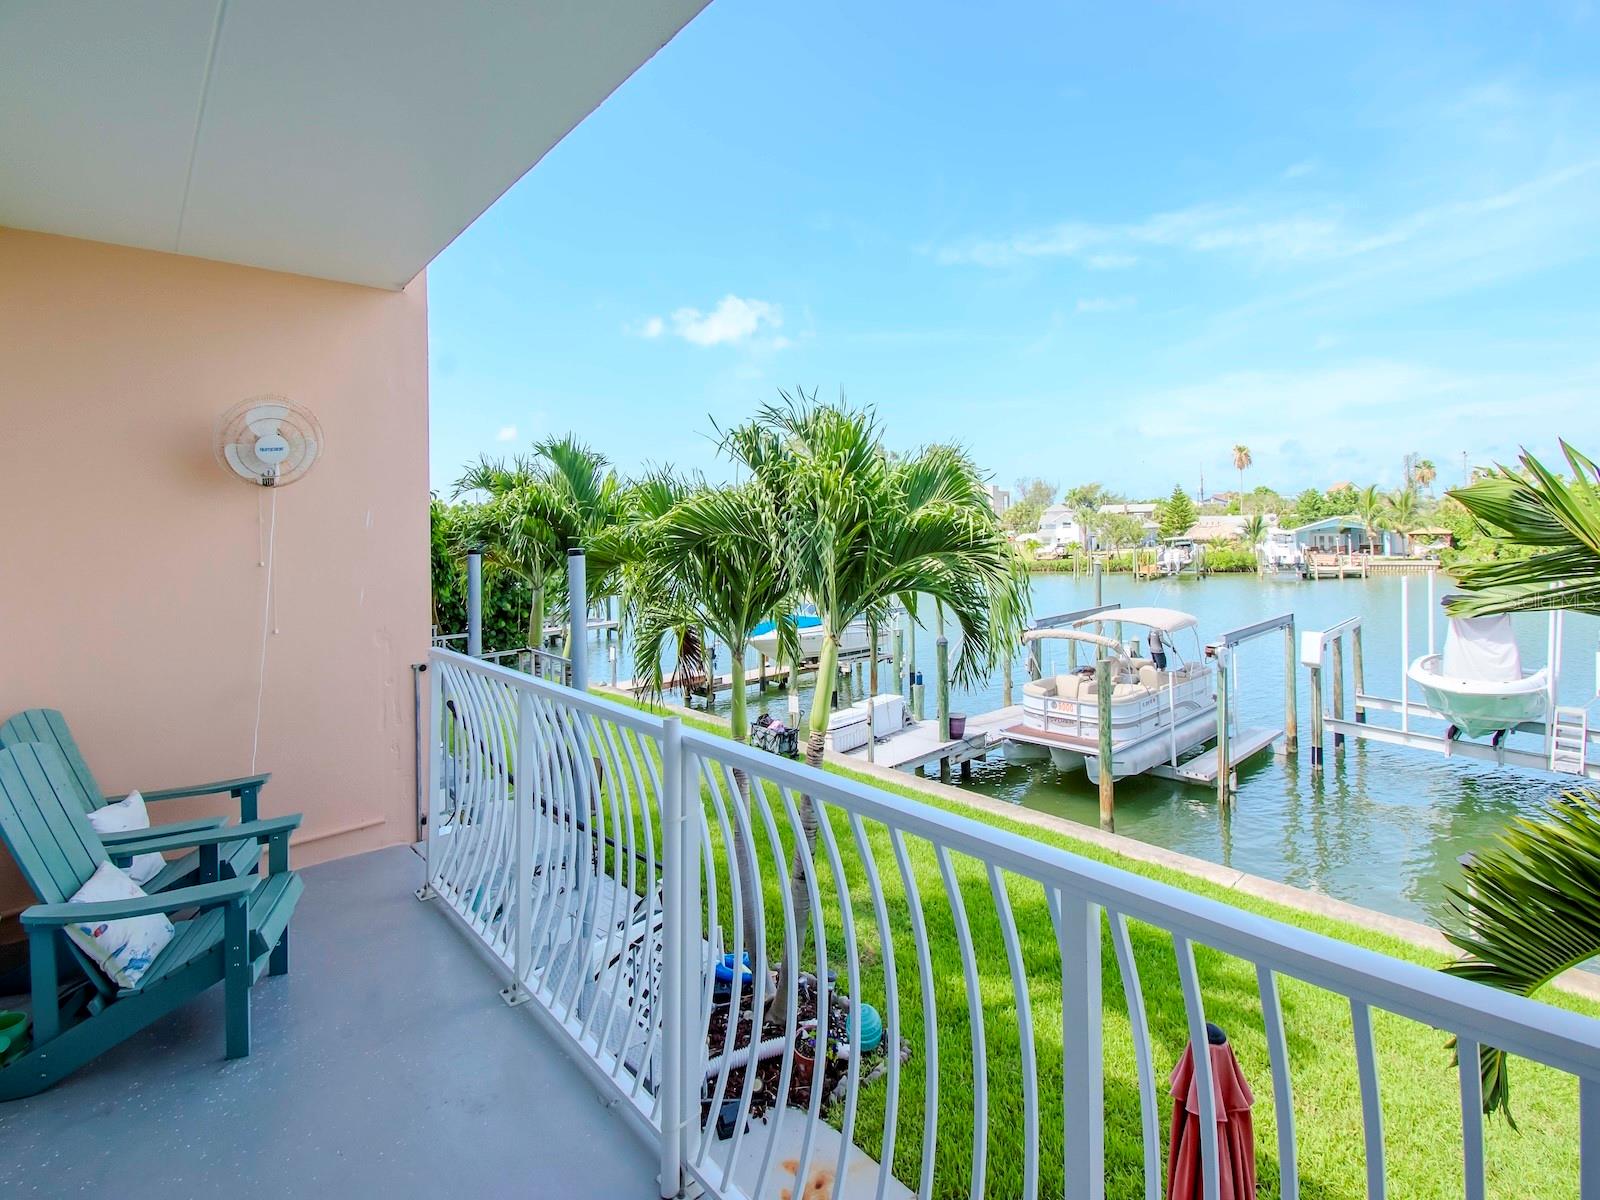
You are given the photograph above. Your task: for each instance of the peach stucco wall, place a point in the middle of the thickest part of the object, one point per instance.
(130, 595)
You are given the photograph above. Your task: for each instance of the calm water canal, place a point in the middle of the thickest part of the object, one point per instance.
(1382, 826)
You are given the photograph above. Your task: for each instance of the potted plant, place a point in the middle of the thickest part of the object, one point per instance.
(805, 1055)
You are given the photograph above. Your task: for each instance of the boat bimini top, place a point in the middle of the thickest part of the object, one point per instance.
(1167, 620)
(1073, 635)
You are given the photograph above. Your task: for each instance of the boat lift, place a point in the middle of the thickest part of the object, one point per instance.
(1209, 768)
(1235, 745)
(1568, 738)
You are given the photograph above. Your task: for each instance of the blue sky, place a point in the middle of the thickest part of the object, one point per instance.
(1087, 244)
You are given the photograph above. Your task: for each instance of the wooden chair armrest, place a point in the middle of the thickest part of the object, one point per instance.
(205, 895)
(271, 829)
(199, 824)
(246, 789)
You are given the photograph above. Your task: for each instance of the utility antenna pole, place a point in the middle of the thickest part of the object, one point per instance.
(1202, 485)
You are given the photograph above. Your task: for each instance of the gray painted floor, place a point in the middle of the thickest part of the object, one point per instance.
(384, 1065)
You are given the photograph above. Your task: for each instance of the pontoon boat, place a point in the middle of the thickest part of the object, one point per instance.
(1156, 715)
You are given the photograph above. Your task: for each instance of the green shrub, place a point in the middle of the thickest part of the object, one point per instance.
(505, 597)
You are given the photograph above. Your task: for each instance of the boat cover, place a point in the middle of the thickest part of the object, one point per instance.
(1481, 648)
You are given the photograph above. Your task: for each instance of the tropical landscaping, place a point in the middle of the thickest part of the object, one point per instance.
(823, 516)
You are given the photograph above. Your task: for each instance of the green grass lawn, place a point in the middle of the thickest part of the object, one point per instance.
(1417, 1075)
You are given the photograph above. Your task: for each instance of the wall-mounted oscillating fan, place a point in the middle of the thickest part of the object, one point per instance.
(268, 440)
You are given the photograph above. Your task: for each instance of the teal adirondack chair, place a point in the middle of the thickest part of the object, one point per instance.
(48, 726)
(239, 929)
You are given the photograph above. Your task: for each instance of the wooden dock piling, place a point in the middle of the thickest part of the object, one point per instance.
(1291, 688)
(1224, 767)
(1316, 718)
(1337, 686)
(1358, 671)
(941, 662)
(1108, 804)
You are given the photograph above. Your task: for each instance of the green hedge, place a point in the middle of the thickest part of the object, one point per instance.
(505, 597)
(1224, 558)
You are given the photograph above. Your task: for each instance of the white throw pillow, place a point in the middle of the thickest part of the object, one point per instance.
(129, 813)
(123, 949)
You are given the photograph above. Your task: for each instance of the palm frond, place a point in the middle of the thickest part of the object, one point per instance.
(1535, 507)
(1527, 911)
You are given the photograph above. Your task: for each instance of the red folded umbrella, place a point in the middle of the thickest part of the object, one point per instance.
(1236, 1138)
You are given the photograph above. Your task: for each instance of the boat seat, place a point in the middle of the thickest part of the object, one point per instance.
(1039, 687)
(1156, 680)
(1075, 687)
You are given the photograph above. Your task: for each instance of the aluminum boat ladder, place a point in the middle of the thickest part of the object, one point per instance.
(1569, 740)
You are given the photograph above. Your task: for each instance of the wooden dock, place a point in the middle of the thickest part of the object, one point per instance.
(1199, 768)
(1202, 768)
(1334, 566)
(918, 745)
(1327, 565)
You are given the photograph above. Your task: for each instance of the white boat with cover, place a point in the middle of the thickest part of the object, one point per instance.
(1157, 715)
(1477, 682)
(808, 631)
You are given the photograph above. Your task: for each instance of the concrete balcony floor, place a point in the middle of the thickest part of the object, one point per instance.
(384, 1064)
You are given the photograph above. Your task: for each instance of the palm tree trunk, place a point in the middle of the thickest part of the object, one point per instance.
(745, 862)
(536, 617)
(803, 857)
(872, 687)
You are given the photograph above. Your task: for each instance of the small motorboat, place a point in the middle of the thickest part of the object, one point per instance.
(1477, 683)
(808, 630)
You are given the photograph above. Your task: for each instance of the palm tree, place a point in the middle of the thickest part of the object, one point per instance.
(1083, 502)
(541, 505)
(862, 530)
(1241, 460)
(700, 557)
(507, 529)
(1368, 506)
(1426, 473)
(1255, 532)
(1401, 514)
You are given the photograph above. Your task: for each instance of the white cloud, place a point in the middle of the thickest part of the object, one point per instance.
(734, 319)
(1300, 169)
(1102, 304)
(508, 433)
(1266, 232)
(1356, 419)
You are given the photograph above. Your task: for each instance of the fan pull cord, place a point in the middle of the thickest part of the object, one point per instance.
(266, 628)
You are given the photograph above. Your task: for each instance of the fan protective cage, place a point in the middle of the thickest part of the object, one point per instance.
(268, 440)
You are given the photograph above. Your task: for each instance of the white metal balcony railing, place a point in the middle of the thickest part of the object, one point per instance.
(588, 846)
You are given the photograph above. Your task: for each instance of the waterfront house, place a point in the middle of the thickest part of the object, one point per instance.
(1058, 528)
(1342, 535)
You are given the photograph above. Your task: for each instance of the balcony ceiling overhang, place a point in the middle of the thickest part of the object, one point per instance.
(342, 139)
